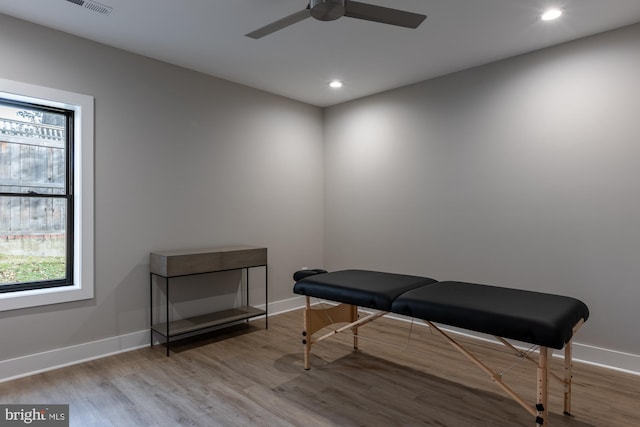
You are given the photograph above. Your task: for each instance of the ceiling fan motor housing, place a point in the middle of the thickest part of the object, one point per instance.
(326, 10)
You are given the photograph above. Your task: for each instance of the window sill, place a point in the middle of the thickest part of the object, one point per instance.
(39, 297)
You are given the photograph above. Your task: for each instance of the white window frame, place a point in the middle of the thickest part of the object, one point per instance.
(83, 256)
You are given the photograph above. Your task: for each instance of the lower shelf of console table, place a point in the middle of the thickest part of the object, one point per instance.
(206, 321)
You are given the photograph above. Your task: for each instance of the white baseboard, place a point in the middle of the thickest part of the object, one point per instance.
(282, 306)
(611, 359)
(31, 364)
(53, 359)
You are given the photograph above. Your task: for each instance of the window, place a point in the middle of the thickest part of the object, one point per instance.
(36, 196)
(46, 196)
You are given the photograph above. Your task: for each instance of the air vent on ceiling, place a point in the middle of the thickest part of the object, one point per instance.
(93, 5)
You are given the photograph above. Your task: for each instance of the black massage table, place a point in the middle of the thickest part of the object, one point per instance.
(544, 320)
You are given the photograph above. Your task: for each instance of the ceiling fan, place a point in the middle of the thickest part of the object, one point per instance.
(329, 10)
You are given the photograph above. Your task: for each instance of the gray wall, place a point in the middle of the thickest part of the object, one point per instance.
(182, 160)
(522, 173)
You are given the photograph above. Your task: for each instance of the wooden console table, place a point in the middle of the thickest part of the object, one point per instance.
(172, 264)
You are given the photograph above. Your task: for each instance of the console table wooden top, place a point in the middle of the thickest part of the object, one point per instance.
(194, 261)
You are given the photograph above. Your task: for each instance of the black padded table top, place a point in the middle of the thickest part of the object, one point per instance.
(533, 317)
(363, 288)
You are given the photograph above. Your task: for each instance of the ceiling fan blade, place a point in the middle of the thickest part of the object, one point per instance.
(369, 12)
(279, 24)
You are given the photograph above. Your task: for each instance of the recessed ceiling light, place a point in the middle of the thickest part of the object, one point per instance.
(551, 14)
(335, 84)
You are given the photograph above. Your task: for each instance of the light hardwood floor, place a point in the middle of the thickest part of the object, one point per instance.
(249, 376)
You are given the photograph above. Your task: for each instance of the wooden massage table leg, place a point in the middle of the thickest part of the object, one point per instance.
(318, 318)
(306, 338)
(542, 403)
(568, 375)
(354, 318)
(568, 369)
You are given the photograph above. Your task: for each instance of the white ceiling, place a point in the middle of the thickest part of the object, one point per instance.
(298, 61)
